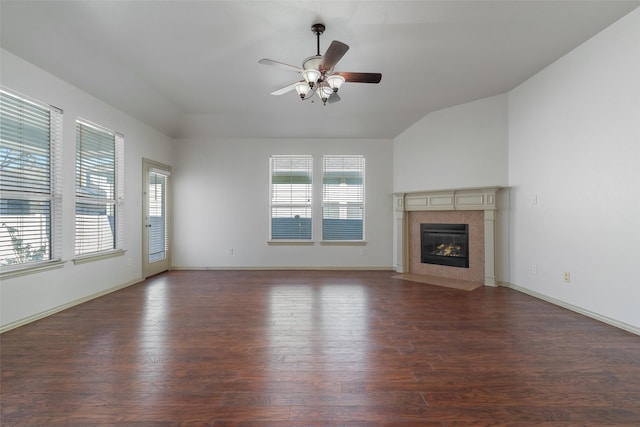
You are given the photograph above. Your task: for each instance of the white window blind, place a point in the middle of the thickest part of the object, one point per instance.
(157, 200)
(291, 197)
(30, 181)
(343, 198)
(99, 188)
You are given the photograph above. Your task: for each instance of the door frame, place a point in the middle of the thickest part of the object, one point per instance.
(155, 268)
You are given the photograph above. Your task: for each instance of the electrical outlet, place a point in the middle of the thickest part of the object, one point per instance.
(534, 268)
(566, 277)
(534, 199)
(230, 251)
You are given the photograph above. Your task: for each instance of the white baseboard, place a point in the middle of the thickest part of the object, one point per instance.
(579, 310)
(287, 268)
(62, 307)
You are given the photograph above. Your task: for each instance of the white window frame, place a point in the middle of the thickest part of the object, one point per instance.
(347, 201)
(15, 232)
(105, 237)
(295, 201)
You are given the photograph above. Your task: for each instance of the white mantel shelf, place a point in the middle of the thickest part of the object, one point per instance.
(483, 199)
(477, 199)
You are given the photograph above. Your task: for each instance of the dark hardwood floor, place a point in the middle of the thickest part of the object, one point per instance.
(317, 348)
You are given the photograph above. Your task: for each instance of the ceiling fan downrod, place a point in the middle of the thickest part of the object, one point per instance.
(318, 29)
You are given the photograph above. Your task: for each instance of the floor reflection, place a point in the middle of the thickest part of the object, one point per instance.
(317, 333)
(345, 325)
(152, 346)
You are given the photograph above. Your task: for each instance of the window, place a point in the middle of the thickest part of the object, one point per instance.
(343, 198)
(30, 181)
(99, 188)
(158, 219)
(291, 188)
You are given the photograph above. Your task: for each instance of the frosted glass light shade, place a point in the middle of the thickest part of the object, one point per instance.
(311, 76)
(303, 89)
(335, 82)
(326, 91)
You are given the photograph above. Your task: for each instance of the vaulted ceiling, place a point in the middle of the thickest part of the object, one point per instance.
(190, 68)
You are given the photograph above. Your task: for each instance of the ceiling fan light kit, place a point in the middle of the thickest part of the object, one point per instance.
(317, 72)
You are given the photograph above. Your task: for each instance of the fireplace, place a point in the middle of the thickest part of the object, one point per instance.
(473, 206)
(445, 244)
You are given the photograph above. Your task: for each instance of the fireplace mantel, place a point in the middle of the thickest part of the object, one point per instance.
(482, 199)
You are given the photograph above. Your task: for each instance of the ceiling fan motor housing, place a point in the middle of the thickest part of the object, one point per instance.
(312, 62)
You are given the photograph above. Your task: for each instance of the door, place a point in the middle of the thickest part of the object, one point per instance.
(156, 221)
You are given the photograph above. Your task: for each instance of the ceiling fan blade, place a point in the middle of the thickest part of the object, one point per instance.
(265, 61)
(334, 53)
(334, 97)
(360, 77)
(285, 89)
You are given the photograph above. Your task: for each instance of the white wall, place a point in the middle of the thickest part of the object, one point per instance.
(221, 202)
(29, 296)
(459, 147)
(574, 142)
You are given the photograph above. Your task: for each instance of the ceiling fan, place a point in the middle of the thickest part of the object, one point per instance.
(318, 74)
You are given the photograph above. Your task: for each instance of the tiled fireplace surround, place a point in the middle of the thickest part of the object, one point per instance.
(476, 207)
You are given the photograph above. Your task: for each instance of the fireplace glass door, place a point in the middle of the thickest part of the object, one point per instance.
(445, 244)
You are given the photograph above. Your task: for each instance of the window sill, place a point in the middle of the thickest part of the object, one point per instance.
(343, 242)
(83, 259)
(290, 242)
(23, 270)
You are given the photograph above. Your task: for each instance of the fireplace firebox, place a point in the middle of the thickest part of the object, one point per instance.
(445, 244)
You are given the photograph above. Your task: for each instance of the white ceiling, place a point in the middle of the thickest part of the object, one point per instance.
(190, 68)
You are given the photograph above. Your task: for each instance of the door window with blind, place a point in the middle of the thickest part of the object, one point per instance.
(99, 188)
(291, 190)
(158, 220)
(343, 198)
(30, 181)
